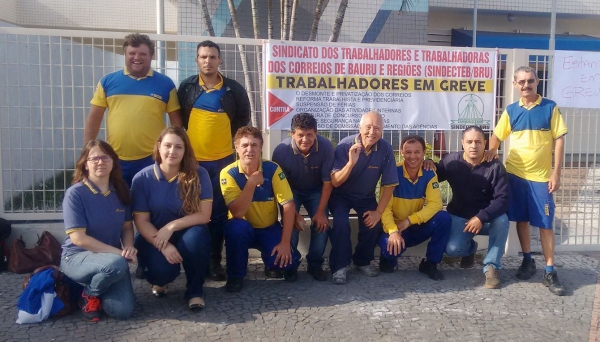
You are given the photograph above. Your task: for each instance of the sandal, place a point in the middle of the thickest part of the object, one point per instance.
(160, 291)
(196, 304)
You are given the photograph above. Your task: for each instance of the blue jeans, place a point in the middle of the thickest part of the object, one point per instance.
(130, 167)
(193, 244)
(437, 228)
(461, 244)
(240, 236)
(339, 235)
(104, 275)
(218, 216)
(318, 240)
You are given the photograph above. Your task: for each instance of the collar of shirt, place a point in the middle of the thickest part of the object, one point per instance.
(535, 103)
(160, 176)
(260, 168)
(407, 176)
(313, 149)
(95, 190)
(218, 86)
(358, 140)
(464, 157)
(150, 73)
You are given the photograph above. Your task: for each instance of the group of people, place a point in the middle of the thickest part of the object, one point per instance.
(187, 193)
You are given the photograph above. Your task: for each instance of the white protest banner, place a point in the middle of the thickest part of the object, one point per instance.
(418, 88)
(576, 79)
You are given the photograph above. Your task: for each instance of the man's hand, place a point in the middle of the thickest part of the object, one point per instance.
(490, 154)
(299, 223)
(473, 225)
(320, 221)
(395, 244)
(354, 153)
(428, 165)
(284, 254)
(161, 238)
(256, 178)
(554, 183)
(129, 253)
(371, 218)
(172, 254)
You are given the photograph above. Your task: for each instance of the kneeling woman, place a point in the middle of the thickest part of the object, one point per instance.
(172, 202)
(99, 243)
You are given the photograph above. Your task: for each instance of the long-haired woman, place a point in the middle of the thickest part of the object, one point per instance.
(172, 202)
(99, 243)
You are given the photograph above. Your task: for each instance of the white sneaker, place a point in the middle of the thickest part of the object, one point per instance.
(368, 270)
(339, 277)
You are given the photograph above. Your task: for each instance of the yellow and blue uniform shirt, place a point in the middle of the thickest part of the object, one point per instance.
(264, 210)
(532, 130)
(99, 215)
(153, 193)
(209, 128)
(136, 107)
(418, 201)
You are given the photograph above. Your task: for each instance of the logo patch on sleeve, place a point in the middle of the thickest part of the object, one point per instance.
(435, 185)
(223, 181)
(281, 175)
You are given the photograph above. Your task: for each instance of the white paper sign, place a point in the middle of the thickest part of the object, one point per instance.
(576, 80)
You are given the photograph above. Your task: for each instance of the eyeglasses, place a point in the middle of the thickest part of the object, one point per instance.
(95, 160)
(529, 81)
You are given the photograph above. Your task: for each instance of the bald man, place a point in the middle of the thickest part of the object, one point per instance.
(360, 161)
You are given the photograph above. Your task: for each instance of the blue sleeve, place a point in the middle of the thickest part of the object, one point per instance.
(328, 162)
(138, 195)
(389, 175)
(73, 210)
(277, 155)
(340, 156)
(206, 191)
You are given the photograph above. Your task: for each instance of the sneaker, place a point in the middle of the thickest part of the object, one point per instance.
(339, 277)
(216, 272)
(491, 278)
(553, 284)
(368, 270)
(275, 274)
(90, 307)
(160, 291)
(140, 272)
(469, 260)
(430, 268)
(234, 285)
(317, 273)
(290, 275)
(385, 266)
(526, 270)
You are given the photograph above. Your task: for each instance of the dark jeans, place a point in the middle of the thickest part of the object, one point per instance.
(318, 240)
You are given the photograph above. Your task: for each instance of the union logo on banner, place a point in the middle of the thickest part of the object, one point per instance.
(276, 109)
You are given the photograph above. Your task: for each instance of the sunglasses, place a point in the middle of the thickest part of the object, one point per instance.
(529, 81)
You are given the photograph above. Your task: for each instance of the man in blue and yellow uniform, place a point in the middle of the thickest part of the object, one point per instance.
(415, 213)
(253, 190)
(213, 107)
(534, 125)
(137, 98)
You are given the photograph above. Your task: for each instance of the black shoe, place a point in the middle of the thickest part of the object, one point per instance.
(140, 272)
(291, 275)
(553, 284)
(234, 285)
(430, 268)
(469, 260)
(317, 273)
(216, 272)
(276, 274)
(91, 308)
(386, 266)
(526, 270)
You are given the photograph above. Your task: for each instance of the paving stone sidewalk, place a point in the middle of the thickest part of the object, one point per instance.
(403, 306)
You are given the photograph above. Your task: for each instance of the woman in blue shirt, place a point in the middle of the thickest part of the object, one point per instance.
(172, 203)
(99, 243)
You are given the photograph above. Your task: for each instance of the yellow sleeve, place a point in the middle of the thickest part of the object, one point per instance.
(387, 218)
(173, 103)
(281, 187)
(99, 98)
(503, 129)
(229, 186)
(557, 124)
(433, 203)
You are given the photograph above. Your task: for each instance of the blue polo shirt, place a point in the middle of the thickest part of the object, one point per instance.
(99, 215)
(153, 193)
(379, 162)
(305, 172)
